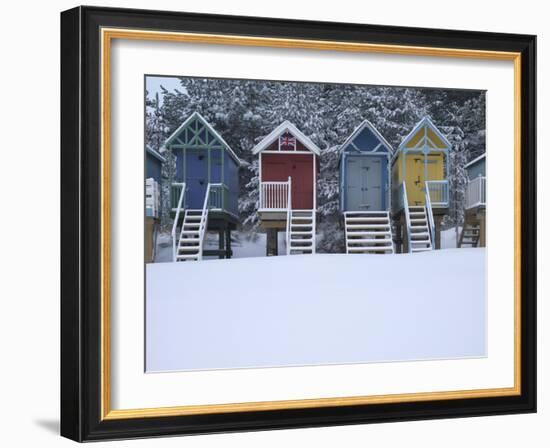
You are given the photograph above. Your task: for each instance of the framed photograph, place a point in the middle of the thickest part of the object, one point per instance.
(273, 223)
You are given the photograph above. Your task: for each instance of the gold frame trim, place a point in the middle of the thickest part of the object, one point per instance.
(107, 35)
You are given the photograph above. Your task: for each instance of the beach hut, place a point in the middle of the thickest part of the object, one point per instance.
(205, 191)
(420, 188)
(288, 167)
(153, 168)
(473, 230)
(365, 190)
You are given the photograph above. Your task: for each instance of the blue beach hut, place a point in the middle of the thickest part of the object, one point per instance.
(365, 190)
(205, 190)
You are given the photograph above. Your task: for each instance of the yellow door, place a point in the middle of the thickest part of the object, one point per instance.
(420, 168)
(414, 176)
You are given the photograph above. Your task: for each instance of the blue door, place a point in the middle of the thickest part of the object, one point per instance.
(364, 184)
(196, 177)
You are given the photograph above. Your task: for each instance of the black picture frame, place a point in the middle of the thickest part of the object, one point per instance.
(81, 224)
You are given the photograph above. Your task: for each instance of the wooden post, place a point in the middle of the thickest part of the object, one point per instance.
(272, 243)
(482, 228)
(228, 250)
(437, 222)
(221, 243)
(404, 233)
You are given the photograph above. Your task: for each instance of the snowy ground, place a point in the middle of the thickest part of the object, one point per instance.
(448, 238)
(242, 244)
(321, 309)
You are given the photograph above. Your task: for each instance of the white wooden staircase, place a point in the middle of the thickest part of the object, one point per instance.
(470, 235)
(191, 238)
(190, 242)
(300, 237)
(368, 233)
(419, 230)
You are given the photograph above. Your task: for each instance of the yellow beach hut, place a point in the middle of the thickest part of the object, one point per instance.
(420, 193)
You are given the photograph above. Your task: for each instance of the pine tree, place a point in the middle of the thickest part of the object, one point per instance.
(245, 111)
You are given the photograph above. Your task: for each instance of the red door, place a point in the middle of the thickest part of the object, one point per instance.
(299, 167)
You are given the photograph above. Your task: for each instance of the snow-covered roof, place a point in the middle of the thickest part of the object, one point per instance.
(477, 159)
(367, 124)
(425, 122)
(286, 126)
(198, 116)
(154, 153)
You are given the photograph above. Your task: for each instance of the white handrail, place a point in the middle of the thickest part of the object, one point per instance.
(475, 193)
(407, 217)
(439, 192)
(430, 214)
(288, 215)
(176, 219)
(204, 220)
(273, 195)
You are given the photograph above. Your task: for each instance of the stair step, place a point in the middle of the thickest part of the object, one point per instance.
(368, 226)
(421, 250)
(187, 257)
(371, 249)
(421, 245)
(371, 233)
(366, 218)
(370, 240)
(189, 240)
(193, 246)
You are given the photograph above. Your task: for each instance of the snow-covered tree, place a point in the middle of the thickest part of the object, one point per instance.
(245, 111)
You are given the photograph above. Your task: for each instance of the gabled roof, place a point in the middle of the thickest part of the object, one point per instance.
(199, 117)
(154, 153)
(286, 126)
(422, 123)
(477, 159)
(367, 124)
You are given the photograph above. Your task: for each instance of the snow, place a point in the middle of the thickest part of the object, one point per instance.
(311, 310)
(448, 238)
(243, 244)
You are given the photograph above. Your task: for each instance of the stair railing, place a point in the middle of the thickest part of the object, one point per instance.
(204, 220)
(179, 208)
(313, 224)
(429, 212)
(288, 214)
(407, 215)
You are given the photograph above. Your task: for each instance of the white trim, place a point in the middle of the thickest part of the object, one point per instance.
(477, 159)
(286, 126)
(366, 123)
(154, 153)
(285, 152)
(314, 183)
(210, 128)
(425, 122)
(260, 169)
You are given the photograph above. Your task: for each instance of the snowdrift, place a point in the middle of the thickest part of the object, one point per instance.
(311, 310)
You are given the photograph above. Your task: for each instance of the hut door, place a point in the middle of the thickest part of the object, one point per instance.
(196, 177)
(415, 179)
(372, 168)
(354, 185)
(301, 169)
(364, 191)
